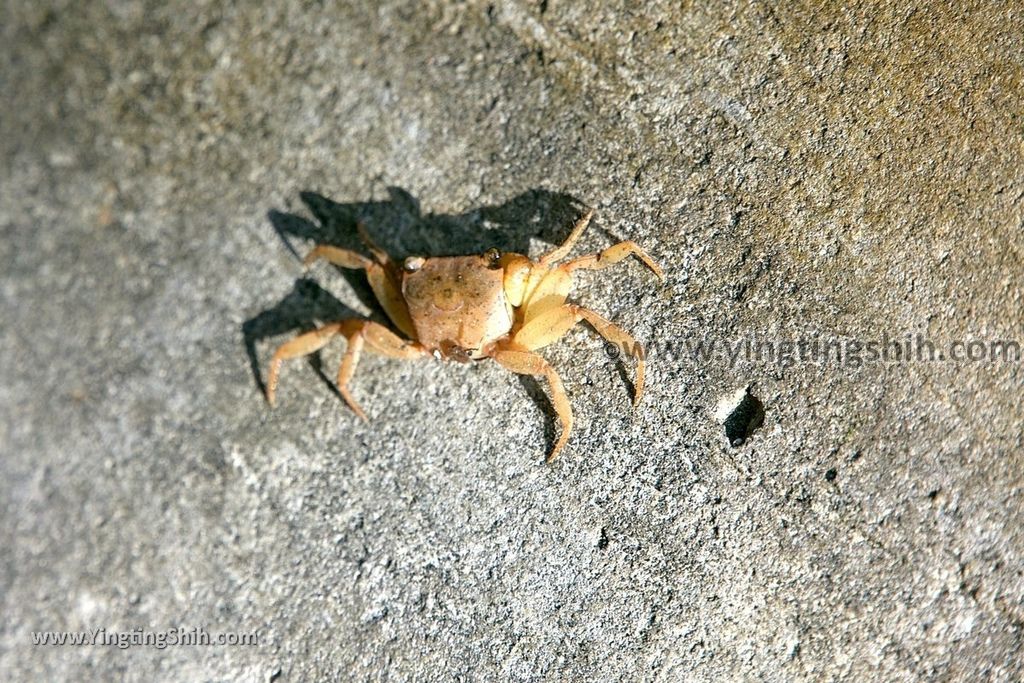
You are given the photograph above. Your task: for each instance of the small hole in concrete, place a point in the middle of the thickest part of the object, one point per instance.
(740, 413)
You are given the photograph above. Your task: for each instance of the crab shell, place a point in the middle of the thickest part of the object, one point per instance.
(461, 305)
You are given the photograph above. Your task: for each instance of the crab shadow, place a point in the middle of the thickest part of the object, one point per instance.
(398, 225)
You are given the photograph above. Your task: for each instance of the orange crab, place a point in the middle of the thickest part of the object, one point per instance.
(492, 305)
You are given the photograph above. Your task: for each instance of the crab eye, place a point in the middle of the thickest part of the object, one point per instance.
(413, 263)
(493, 256)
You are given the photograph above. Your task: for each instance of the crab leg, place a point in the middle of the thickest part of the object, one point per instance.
(560, 251)
(378, 253)
(383, 280)
(338, 256)
(358, 333)
(620, 338)
(529, 363)
(303, 345)
(554, 323)
(613, 255)
(377, 338)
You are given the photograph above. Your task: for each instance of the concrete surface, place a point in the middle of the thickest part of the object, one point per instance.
(801, 172)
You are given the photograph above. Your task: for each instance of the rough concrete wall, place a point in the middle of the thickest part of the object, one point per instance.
(801, 172)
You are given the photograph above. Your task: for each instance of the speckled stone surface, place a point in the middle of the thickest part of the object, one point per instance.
(805, 172)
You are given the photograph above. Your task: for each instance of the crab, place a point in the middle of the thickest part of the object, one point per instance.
(502, 306)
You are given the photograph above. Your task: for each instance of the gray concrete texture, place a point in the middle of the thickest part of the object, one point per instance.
(811, 171)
